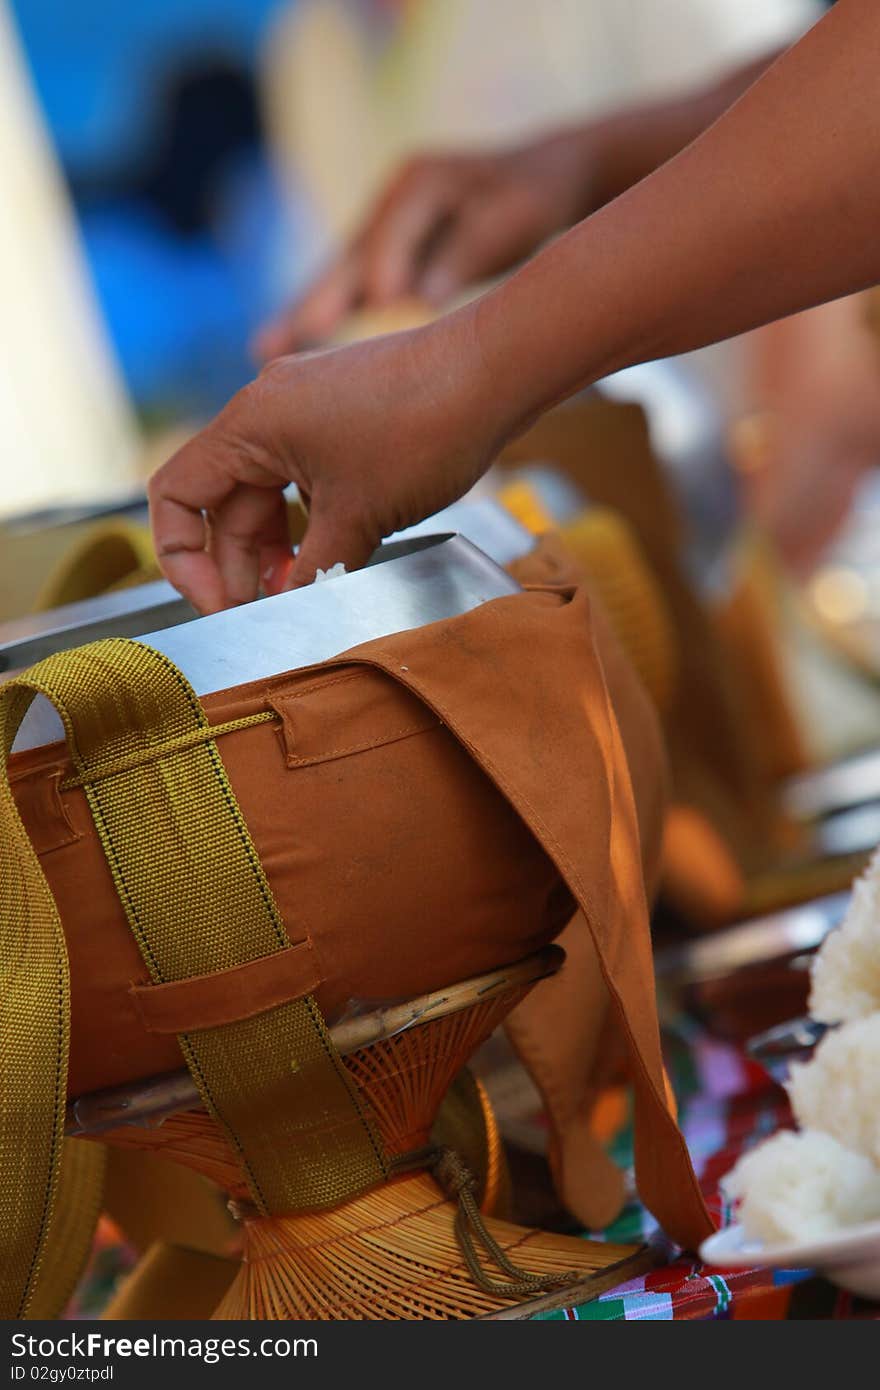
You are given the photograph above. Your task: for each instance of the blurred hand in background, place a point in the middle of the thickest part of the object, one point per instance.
(444, 222)
(815, 382)
(449, 220)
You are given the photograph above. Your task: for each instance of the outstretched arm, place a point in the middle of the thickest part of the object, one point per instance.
(450, 219)
(772, 209)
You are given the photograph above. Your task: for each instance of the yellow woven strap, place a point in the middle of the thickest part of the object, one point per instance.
(197, 900)
(78, 1203)
(34, 1036)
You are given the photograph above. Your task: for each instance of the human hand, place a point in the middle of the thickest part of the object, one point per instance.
(376, 436)
(443, 222)
(817, 431)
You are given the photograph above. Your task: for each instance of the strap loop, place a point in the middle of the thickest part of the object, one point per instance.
(197, 901)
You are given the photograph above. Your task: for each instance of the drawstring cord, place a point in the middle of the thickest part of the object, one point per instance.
(459, 1184)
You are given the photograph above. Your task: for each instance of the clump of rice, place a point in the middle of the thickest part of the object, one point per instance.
(801, 1187)
(334, 572)
(846, 971)
(838, 1090)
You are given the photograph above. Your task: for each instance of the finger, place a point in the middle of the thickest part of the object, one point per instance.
(315, 317)
(276, 556)
(249, 538)
(178, 492)
(490, 235)
(194, 484)
(331, 537)
(394, 245)
(196, 577)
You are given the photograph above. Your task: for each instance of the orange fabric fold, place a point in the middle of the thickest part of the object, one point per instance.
(415, 851)
(227, 996)
(557, 756)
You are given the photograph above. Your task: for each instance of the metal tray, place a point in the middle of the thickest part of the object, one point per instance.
(778, 937)
(407, 584)
(778, 1047)
(851, 782)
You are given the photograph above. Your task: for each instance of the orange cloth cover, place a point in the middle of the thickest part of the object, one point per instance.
(427, 806)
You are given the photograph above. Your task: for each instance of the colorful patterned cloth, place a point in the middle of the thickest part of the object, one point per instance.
(112, 1258)
(726, 1105)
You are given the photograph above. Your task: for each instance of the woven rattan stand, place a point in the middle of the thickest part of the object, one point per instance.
(395, 1252)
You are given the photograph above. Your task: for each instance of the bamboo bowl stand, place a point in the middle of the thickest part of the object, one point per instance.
(395, 1251)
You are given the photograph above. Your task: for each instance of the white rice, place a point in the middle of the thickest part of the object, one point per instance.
(838, 1090)
(334, 572)
(801, 1187)
(846, 970)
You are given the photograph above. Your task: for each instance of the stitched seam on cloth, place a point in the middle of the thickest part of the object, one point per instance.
(66, 833)
(317, 686)
(181, 744)
(484, 760)
(317, 1018)
(140, 993)
(394, 737)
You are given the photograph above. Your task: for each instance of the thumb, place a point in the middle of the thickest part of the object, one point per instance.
(329, 540)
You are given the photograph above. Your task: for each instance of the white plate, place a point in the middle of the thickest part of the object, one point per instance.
(850, 1258)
